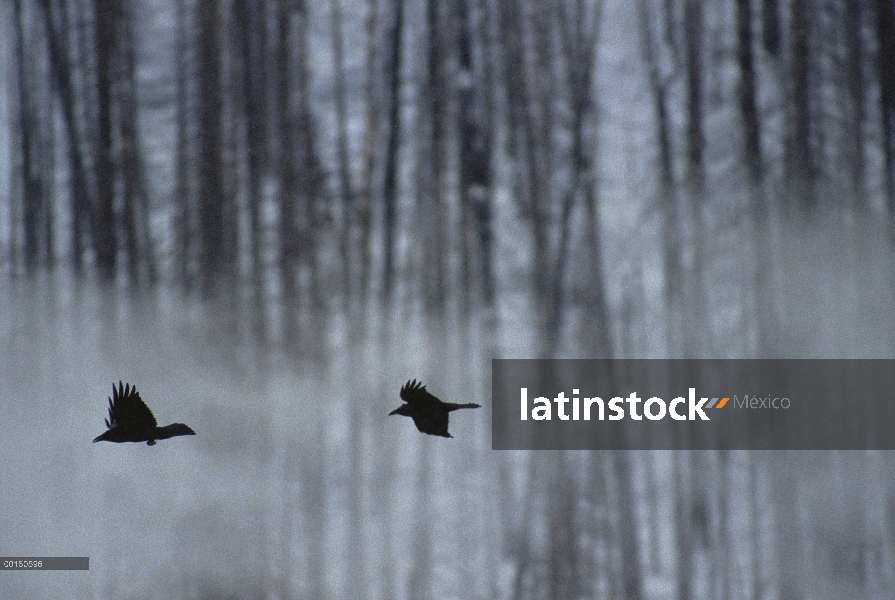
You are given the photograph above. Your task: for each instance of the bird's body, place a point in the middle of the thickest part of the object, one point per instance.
(429, 414)
(130, 420)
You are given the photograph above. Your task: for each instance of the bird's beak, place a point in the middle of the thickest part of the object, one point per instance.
(394, 412)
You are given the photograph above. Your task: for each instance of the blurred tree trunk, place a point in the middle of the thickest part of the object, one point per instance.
(288, 173)
(135, 197)
(127, 132)
(46, 166)
(855, 81)
(433, 115)
(53, 140)
(628, 528)
(253, 51)
(580, 32)
(598, 328)
(346, 187)
(540, 110)
(474, 164)
(704, 514)
(74, 77)
(599, 526)
(631, 576)
(654, 502)
(106, 232)
(393, 132)
(698, 334)
(372, 121)
(801, 163)
(300, 178)
(61, 69)
(463, 83)
(672, 261)
(476, 134)
(184, 200)
(759, 206)
(563, 559)
(19, 207)
(726, 548)
(518, 546)
(755, 463)
(211, 198)
(789, 551)
(424, 180)
(770, 20)
(885, 39)
(888, 525)
(529, 118)
(310, 171)
(32, 198)
(748, 103)
(683, 524)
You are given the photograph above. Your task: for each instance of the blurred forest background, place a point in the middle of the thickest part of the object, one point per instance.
(269, 214)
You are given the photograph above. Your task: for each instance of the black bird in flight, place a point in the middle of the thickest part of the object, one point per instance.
(130, 420)
(429, 414)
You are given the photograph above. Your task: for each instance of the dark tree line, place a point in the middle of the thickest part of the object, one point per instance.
(489, 83)
(249, 138)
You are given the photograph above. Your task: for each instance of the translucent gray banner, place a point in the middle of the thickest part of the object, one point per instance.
(45, 563)
(693, 404)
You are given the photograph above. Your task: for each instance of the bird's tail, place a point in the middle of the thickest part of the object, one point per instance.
(169, 431)
(450, 406)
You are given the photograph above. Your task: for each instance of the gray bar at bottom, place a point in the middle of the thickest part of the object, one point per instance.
(44, 563)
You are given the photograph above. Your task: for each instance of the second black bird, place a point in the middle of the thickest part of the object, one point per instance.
(429, 414)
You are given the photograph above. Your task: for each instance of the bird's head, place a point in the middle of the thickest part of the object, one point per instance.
(404, 409)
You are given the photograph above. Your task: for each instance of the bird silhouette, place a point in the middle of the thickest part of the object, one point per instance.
(130, 420)
(429, 414)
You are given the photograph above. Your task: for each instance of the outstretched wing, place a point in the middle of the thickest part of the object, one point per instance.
(127, 409)
(414, 391)
(433, 421)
